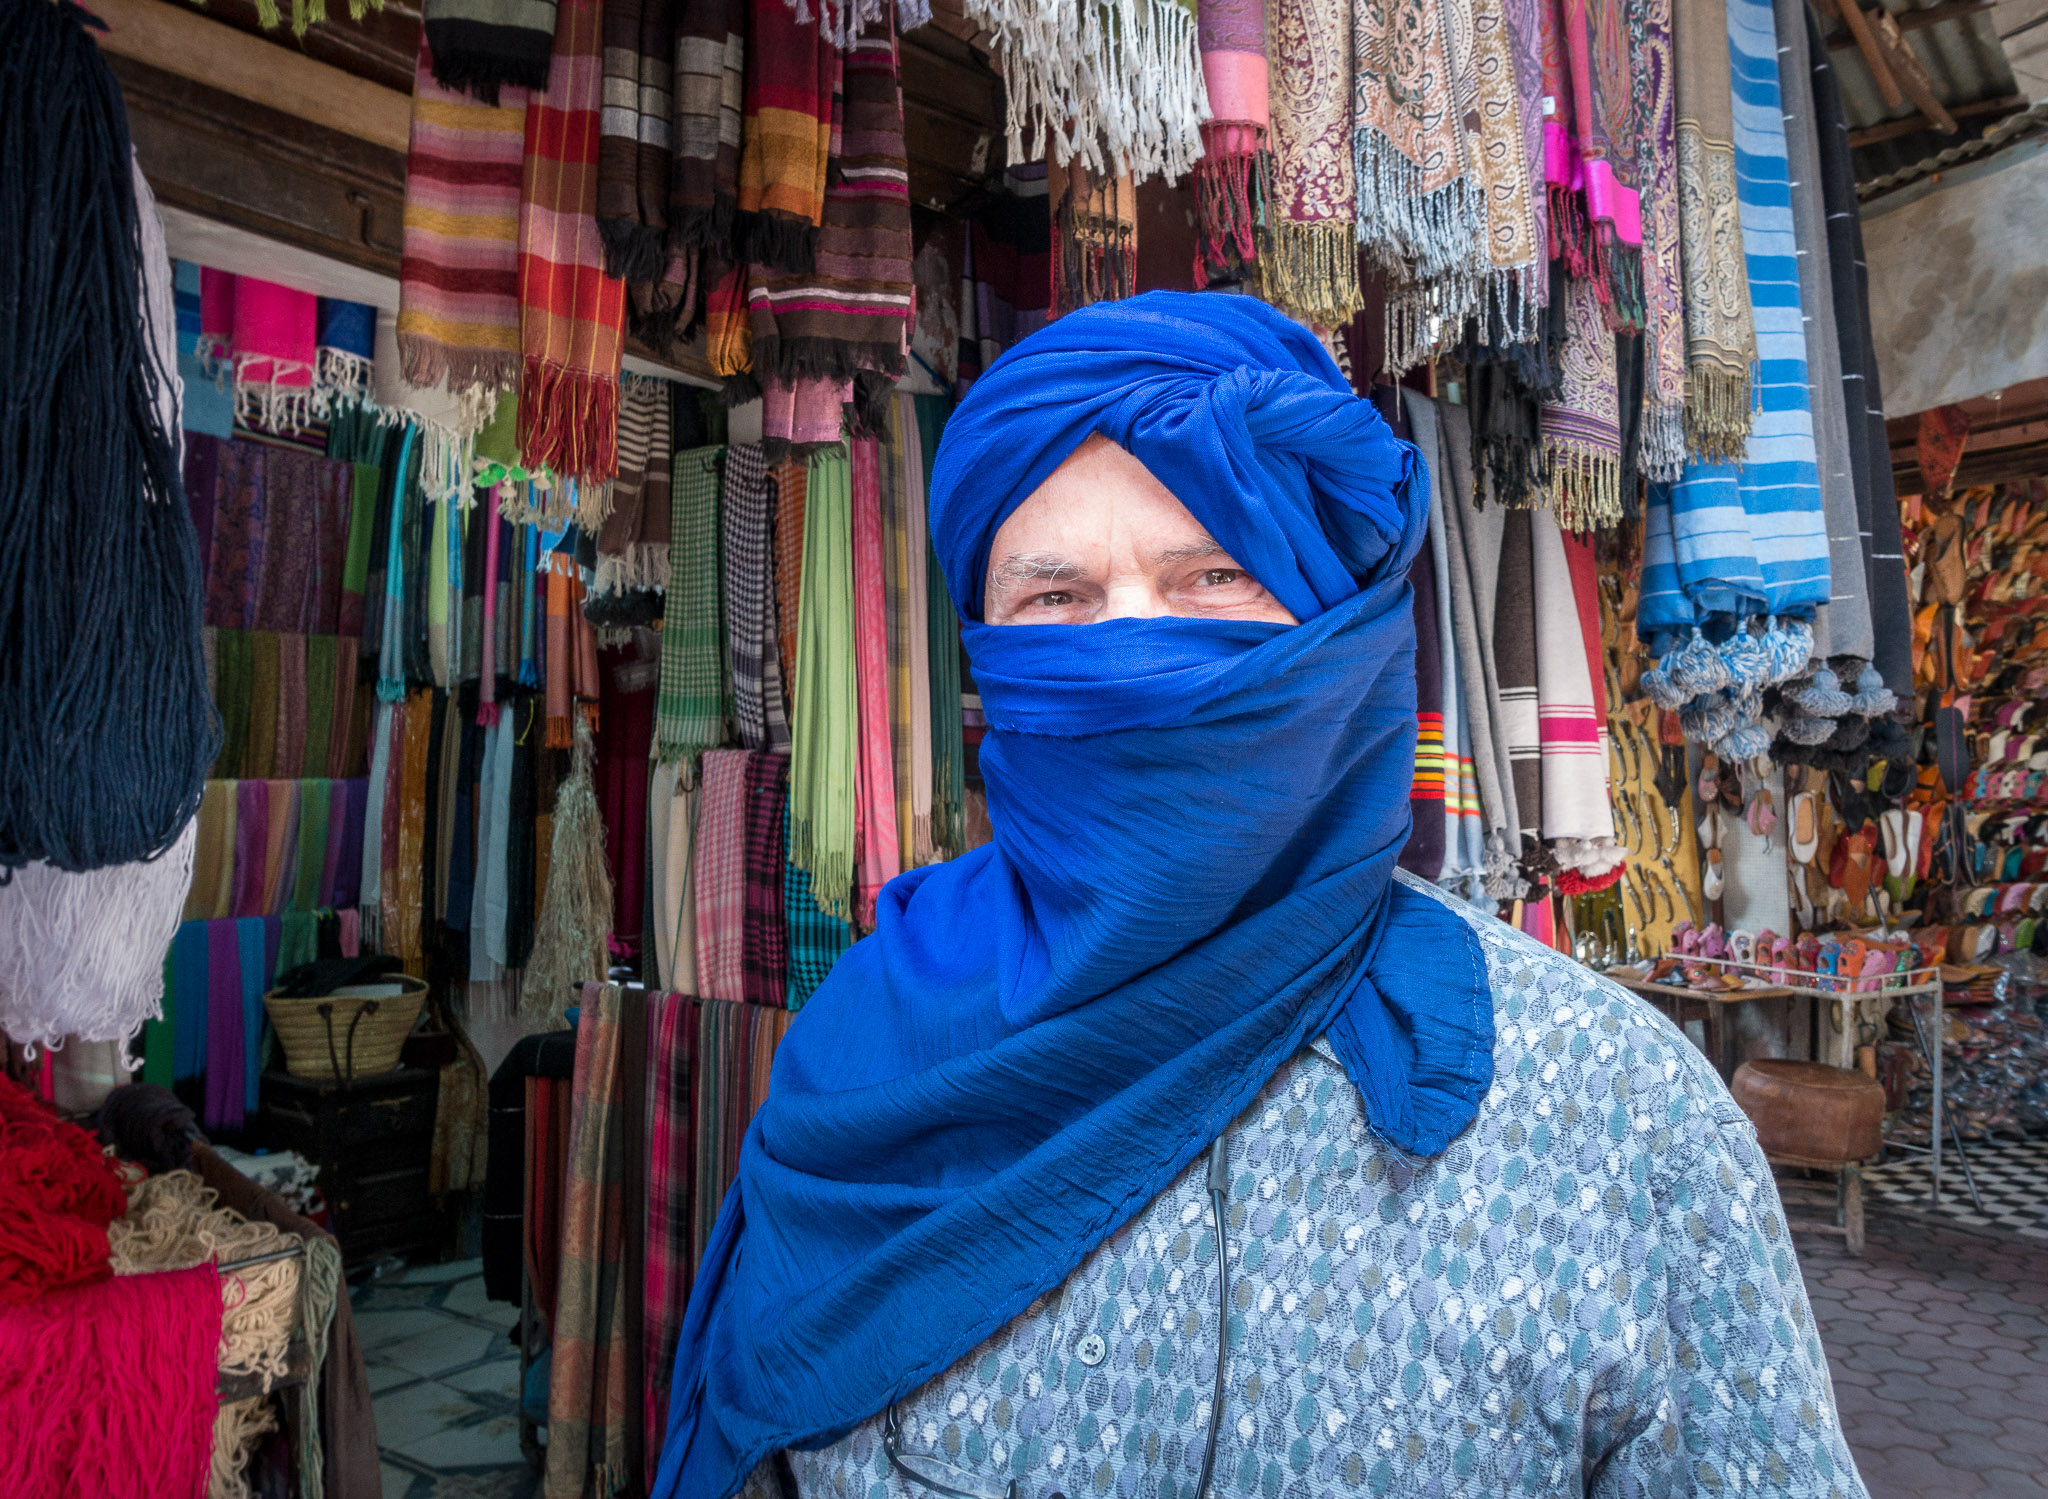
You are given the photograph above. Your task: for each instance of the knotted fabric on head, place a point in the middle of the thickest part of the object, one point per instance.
(1191, 878)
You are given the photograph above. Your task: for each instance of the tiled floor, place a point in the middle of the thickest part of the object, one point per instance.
(445, 1377)
(2012, 1186)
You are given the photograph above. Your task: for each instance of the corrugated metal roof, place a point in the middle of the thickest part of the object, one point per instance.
(1956, 43)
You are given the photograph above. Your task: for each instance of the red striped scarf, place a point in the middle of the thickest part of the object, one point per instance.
(792, 72)
(572, 315)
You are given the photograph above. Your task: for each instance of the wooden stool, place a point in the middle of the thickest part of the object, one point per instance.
(1819, 1118)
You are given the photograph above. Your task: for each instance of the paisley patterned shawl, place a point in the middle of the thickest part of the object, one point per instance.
(1661, 451)
(1503, 57)
(1309, 262)
(1720, 331)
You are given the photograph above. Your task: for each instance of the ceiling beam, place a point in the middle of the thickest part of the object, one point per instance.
(1914, 124)
(1913, 20)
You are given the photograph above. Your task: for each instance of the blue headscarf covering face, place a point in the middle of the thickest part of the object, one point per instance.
(1196, 823)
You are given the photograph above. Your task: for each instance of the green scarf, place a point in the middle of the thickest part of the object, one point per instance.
(696, 696)
(949, 759)
(822, 732)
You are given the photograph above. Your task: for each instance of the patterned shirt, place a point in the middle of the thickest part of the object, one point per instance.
(1593, 1290)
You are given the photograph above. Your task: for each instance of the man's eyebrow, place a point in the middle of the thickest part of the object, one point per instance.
(1036, 567)
(1194, 551)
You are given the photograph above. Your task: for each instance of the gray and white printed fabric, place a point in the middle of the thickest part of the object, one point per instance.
(1592, 1291)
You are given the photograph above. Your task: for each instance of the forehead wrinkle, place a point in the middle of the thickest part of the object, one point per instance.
(1194, 551)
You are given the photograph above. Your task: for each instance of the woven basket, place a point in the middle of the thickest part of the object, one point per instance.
(345, 1036)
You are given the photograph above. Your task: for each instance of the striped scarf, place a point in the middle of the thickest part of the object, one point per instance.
(458, 282)
(823, 764)
(881, 855)
(485, 46)
(572, 315)
(690, 712)
(1576, 813)
(672, 1046)
(850, 310)
(633, 137)
(710, 82)
(792, 75)
(633, 544)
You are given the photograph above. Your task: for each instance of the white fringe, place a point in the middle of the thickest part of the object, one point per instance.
(1660, 448)
(83, 954)
(843, 21)
(641, 565)
(340, 379)
(1116, 84)
(447, 453)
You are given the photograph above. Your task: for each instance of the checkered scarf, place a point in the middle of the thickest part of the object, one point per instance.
(815, 939)
(691, 710)
(720, 876)
(711, 47)
(765, 931)
(788, 476)
(750, 601)
(670, 1267)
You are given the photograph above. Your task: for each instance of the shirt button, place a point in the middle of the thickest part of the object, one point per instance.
(1091, 1350)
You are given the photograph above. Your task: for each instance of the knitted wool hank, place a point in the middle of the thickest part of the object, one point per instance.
(822, 766)
(58, 1193)
(110, 1388)
(576, 912)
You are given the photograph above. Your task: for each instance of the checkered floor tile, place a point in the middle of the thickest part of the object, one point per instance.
(2012, 1181)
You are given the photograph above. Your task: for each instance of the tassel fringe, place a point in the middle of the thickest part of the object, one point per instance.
(1718, 410)
(1416, 235)
(568, 420)
(1584, 490)
(1231, 184)
(427, 363)
(1310, 271)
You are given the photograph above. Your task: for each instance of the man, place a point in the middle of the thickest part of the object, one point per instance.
(1489, 1224)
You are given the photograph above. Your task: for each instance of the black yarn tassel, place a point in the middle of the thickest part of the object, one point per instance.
(106, 725)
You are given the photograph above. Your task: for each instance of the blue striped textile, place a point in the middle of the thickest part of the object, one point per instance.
(1730, 539)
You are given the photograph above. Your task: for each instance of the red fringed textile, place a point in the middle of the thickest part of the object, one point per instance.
(572, 316)
(108, 1389)
(1571, 882)
(58, 1193)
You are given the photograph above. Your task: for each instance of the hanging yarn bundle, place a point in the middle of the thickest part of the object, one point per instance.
(576, 912)
(58, 1193)
(106, 724)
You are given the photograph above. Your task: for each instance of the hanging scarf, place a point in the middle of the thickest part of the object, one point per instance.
(824, 766)
(1514, 653)
(910, 692)
(1233, 177)
(876, 833)
(1501, 57)
(1094, 237)
(1581, 429)
(825, 1293)
(1464, 866)
(1309, 265)
(1577, 817)
(633, 166)
(788, 478)
(710, 82)
(1661, 447)
(344, 347)
(804, 416)
(572, 316)
(764, 934)
(1697, 561)
(815, 939)
(263, 338)
(949, 756)
(633, 543)
(690, 713)
(484, 46)
(719, 875)
(672, 1038)
(1598, 222)
(792, 76)
(458, 281)
(1720, 332)
(1421, 207)
(848, 309)
(749, 601)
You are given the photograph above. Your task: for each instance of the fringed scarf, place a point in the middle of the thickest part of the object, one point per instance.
(1720, 331)
(764, 940)
(1509, 162)
(633, 147)
(719, 875)
(265, 339)
(878, 837)
(1577, 817)
(746, 518)
(710, 83)
(1660, 450)
(1581, 429)
(346, 344)
(1094, 238)
(1421, 207)
(633, 544)
(1597, 224)
(823, 764)
(850, 311)
(803, 416)
(1309, 264)
(458, 283)
(792, 76)
(1118, 88)
(690, 712)
(949, 756)
(484, 46)
(1234, 176)
(572, 315)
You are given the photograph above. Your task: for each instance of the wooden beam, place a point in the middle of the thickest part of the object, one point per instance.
(173, 38)
(1913, 20)
(1911, 75)
(1873, 55)
(1914, 124)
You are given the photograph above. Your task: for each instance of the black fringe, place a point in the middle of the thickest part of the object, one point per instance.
(740, 389)
(633, 252)
(479, 59)
(776, 243)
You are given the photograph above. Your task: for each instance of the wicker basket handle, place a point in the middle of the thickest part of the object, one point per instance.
(325, 1010)
(369, 1007)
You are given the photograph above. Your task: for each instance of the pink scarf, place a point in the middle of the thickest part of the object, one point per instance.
(720, 875)
(875, 833)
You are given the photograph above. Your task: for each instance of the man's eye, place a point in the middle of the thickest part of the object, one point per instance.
(1055, 600)
(1221, 577)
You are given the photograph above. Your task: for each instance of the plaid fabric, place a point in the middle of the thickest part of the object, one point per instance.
(881, 857)
(633, 138)
(849, 310)
(669, 1264)
(750, 602)
(708, 1175)
(572, 316)
(719, 874)
(458, 282)
(815, 939)
(690, 713)
(765, 932)
(587, 1408)
(792, 72)
(788, 477)
(710, 95)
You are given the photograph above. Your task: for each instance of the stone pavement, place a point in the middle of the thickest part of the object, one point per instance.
(1938, 1340)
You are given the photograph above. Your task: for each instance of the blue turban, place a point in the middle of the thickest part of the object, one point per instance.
(1191, 878)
